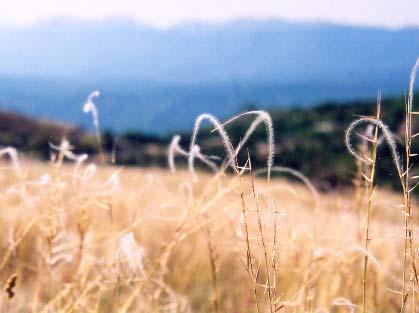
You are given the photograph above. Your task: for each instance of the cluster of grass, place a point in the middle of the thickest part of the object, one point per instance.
(85, 237)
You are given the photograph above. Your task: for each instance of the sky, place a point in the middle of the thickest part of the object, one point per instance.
(164, 13)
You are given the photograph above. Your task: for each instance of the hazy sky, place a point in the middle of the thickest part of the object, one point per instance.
(390, 13)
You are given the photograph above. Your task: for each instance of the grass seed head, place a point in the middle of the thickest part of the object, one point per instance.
(14, 158)
(261, 117)
(129, 256)
(412, 82)
(223, 134)
(388, 136)
(90, 107)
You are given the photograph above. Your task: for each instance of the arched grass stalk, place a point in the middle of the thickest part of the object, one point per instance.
(389, 137)
(262, 117)
(14, 158)
(300, 176)
(346, 303)
(404, 175)
(373, 260)
(64, 150)
(223, 134)
(175, 149)
(90, 107)
(370, 178)
(412, 82)
(407, 190)
(316, 198)
(366, 138)
(206, 160)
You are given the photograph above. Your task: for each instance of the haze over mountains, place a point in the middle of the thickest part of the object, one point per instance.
(158, 80)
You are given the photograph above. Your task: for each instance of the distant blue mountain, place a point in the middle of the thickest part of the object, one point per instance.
(157, 80)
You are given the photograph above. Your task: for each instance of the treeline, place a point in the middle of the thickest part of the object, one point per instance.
(309, 139)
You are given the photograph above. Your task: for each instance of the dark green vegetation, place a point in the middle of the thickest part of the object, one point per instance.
(310, 140)
(33, 136)
(158, 80)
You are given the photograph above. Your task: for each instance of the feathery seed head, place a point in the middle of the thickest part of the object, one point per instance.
(412, 82)
(129, 256)
(261, 117)
(223, 134)
(14, 157)
(388, 136)
(89, 106)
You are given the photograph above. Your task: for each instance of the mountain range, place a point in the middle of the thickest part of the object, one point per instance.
(157, 80)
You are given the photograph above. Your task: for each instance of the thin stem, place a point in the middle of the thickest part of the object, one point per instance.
(370, 191)
(262, 238)
(249, 264)
(213, 263)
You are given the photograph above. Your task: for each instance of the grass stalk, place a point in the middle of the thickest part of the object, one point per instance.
(370, 193)
(213, 262)
(262, 238)
(409, 244)
(249, 259)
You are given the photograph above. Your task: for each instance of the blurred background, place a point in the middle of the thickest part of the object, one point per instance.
(159, 64)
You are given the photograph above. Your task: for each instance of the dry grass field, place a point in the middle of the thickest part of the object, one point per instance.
(78, 237)
(128, 240)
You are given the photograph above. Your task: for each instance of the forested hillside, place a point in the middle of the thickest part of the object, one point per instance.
(307, 139)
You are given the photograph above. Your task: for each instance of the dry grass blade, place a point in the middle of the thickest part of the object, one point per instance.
(407, 190)
(389, 137)
(261, 117)
(77, 233)
(14, 157)
(223, 134)
(90, 107)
